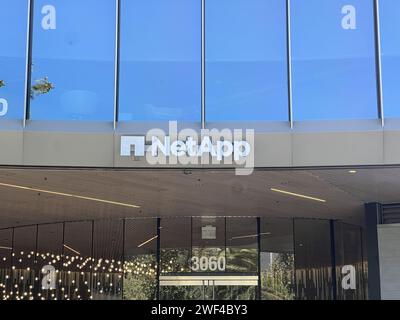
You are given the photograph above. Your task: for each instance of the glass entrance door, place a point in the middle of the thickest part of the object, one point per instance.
(209, 258)
(224, 287)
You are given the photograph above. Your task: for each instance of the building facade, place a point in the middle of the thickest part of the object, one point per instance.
(199, 149)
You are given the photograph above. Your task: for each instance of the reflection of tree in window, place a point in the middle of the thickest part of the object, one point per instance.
(140, 278)
(175, 260)
(278, 278)
(242, 259)
(41, 86)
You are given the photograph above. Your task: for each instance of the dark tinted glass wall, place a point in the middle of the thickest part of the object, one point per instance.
(349, 262)
(333, 49)
(13, 28)
(118, 259)
(73, 60)
(160, 75)
(313, 260)
(390, 43)
(246, 68)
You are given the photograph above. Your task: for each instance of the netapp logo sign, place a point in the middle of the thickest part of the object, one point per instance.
(189, 148)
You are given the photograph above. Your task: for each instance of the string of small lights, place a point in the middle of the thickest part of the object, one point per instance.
(75, 277)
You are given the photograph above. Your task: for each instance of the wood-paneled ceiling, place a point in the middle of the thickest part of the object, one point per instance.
(37, 195)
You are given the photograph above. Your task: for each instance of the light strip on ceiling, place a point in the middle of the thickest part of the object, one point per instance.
(6, 248)
(298, 195)
(69, 195)
(146, 242)
(251, 236)
(73, 250)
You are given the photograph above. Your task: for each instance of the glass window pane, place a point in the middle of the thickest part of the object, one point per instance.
(176, 247)
(140, 274)
(6, 263)
(176, 240)
(333, 54)
(349, 258)
(6, 248)
(241, 245)
(313, 261)
(73, 60)
(277, 259)
(208, 242)
(160, 60)
(49, 261)
(246, 65)
(390, 41)
(25, 270)
(13, 26)
(24, 245)
(50, 246)
(77, 261)
(108, 256)
(78, 240)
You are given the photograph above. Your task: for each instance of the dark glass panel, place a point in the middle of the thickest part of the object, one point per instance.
(140, 267)
(313, 260)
